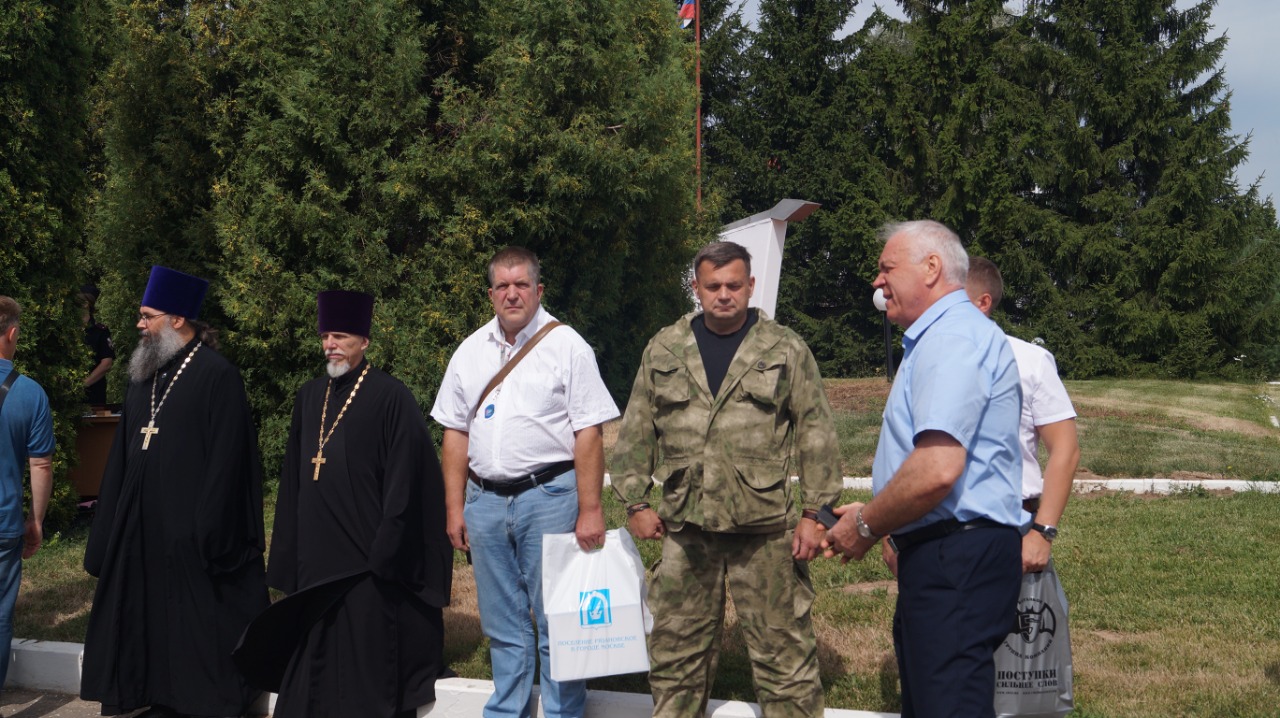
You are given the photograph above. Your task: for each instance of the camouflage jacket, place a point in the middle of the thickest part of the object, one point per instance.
(725, 462)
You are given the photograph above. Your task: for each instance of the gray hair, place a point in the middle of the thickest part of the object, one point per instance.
(930, 237)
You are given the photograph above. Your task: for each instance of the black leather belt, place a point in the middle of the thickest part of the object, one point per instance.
(938, 529)
(513, 487)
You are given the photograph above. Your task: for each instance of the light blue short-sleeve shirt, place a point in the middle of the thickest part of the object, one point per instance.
(958, 376)
(26, 430)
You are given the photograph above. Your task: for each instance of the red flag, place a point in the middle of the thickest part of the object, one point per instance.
(686, 14)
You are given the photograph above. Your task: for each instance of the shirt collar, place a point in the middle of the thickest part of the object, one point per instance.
(932, 314)
(540, 317)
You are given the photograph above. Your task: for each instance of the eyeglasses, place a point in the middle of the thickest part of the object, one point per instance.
(146, 318)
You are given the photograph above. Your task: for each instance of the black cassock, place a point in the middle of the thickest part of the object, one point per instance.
(363, 554)
(177, 544)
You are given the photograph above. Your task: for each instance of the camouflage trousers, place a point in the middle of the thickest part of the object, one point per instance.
(772, 595)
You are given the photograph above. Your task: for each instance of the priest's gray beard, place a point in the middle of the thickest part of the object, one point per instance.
(337, 369)
(155, 349)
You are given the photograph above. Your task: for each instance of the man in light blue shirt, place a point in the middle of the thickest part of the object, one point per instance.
(946, 479)
(26, 437)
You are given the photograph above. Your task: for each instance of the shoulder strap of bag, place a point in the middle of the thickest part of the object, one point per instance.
(8, 382)
(506, 369)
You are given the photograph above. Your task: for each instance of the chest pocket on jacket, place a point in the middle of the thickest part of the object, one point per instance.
(762, 383)
(670, 385)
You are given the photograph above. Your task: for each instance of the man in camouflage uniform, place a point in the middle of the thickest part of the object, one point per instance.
(726, 407)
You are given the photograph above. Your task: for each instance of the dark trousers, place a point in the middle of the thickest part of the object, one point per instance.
(957, 597)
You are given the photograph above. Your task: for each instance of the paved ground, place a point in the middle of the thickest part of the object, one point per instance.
(19, 703)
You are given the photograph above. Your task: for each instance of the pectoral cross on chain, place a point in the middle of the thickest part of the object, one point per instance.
(149, 430)
(317, 461)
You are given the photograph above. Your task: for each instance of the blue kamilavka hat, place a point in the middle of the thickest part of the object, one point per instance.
(345, 312)
(174, 292)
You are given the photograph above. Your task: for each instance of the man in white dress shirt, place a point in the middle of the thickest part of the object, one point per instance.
(1047, 415)
(521, 460)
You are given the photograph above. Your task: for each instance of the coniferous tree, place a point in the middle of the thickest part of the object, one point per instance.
(333, 105)
(44, 70)
(393, 146)
(797, 130)
(157, 105)
(1077, 146)
(725, 110)
(1155, 255)
(963, 121)
(575, 142)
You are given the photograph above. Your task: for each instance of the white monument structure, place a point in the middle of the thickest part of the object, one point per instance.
(763, 235)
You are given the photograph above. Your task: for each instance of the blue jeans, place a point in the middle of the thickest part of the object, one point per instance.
(10, 578)
(505, 533)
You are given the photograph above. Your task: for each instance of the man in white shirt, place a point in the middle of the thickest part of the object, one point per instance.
(1047, 415)
(521, 460)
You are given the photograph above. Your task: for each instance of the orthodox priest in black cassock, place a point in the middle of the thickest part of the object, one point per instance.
(177, 538)
(359, 542)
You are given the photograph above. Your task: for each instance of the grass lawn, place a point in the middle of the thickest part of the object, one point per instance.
(1173, 599)
(1128, 428)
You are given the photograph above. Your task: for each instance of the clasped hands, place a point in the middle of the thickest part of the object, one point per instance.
(810, 538)
(843, 538)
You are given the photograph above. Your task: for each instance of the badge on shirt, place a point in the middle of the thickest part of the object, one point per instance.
(488, 411)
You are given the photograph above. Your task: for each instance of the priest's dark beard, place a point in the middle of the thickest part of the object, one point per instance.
(337, 369)
(153, 352)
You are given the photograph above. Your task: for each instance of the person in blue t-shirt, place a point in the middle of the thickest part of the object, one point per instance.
(947, 479)
(26, 432)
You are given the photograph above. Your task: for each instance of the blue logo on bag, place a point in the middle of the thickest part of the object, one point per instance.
(594, 608)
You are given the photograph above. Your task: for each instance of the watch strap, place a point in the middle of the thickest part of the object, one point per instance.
(1049, 532)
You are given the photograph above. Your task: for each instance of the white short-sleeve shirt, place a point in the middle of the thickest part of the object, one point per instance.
(1044, 401)
(528, 421)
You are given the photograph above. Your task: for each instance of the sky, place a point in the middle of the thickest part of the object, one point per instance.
(1249, 63)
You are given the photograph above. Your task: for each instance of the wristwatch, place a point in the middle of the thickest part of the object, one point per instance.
(1049, 532)
(864, 530)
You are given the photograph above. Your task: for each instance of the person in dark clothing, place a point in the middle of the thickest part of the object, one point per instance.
(359, 542)
(177, 540)
(98, 337)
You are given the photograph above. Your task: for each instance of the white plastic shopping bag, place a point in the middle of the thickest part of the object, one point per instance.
(597, 617)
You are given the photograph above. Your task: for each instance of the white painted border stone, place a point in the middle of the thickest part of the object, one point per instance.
(45, 665)
(55, 666)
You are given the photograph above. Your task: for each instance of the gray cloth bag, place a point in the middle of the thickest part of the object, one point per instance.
(1033, 665)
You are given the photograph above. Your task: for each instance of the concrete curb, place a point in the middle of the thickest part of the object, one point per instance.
(55, 666)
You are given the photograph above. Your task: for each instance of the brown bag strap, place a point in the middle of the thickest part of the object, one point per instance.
(506, 369)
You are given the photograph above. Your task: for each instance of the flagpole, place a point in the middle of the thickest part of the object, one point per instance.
(697, 55)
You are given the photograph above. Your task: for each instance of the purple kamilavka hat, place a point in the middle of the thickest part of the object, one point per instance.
(345, 312)
(174, 292)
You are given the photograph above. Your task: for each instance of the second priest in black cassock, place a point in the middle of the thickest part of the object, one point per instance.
(359, 542)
